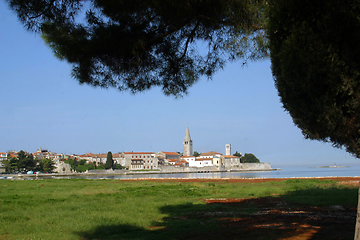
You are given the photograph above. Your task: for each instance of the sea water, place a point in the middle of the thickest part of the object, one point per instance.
(284, 172)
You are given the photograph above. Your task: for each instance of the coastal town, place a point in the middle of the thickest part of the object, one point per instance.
(164, 161)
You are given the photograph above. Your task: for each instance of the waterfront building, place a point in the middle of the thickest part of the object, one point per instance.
(203, 162)
(181, 163)
(118, 158)
(99, 158)
(229, 161)
(140, 160)
(189, 159)
(3, 156)
(166, 158)
(214, 156)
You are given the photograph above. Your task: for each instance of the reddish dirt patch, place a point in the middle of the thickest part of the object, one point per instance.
(275, 219)
(278, 220)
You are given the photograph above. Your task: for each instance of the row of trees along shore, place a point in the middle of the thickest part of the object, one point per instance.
(82, 166)
(25, 162)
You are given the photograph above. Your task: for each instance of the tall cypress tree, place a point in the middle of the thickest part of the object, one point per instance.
(109, 161)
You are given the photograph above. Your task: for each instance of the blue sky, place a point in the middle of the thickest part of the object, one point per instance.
(42, 106)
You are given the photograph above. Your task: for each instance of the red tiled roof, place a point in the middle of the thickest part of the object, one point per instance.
(183, 161)
(230, 156)
(138, 152)
(203, 159)
(209, 153)
(86, 155)
(171, 153)
(180, 162)
(100, 155)
(172, 160)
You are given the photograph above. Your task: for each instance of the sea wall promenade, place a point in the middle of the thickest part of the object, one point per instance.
(173, 169)
(243, 167)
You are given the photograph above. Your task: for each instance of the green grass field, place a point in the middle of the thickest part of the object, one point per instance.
(114, 209)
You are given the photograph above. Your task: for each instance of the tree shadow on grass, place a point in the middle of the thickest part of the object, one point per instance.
(267, 218)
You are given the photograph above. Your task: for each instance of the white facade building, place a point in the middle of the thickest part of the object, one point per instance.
(140, 160)
(190, 160)
(229, 161)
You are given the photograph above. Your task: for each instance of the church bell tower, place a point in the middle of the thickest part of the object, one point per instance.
(228, 149)
(187, 144)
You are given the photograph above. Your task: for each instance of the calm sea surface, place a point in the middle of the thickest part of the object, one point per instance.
(285, 172)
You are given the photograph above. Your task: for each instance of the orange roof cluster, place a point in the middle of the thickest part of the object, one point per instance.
(209, 153)
(203, 159)
(188, 157)
(171, 153)
(138, 152)
(230, 156)
(100, 155)
(86, 155)
(172, 160)
(180, 162)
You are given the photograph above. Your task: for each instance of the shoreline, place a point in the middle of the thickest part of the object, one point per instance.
(126, 172)
(355, 180)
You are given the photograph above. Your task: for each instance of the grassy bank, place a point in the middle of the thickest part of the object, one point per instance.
(113, 209)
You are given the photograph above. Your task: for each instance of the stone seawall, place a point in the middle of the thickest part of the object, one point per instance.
(252, 167)
(241, 167)
(172, 169)
(107, 171)
(163, 170)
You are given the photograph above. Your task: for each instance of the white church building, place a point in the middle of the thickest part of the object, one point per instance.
(208, 159)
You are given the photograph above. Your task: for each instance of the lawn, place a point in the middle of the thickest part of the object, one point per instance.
(124, 209)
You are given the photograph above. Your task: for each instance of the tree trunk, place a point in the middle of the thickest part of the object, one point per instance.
(357, 226)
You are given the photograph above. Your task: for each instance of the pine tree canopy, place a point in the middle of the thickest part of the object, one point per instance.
(135, 44)
(315, 60)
